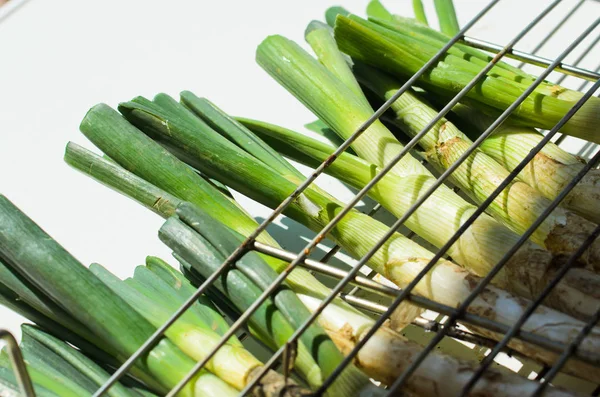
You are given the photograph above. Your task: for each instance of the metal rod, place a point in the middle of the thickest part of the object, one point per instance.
(554, 31)
(496, 192)
(581, 56)
(485, 363)
(18, 364)
(532, 59)
(420, 301)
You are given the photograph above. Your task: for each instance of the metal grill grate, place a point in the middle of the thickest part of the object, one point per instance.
(344, 278)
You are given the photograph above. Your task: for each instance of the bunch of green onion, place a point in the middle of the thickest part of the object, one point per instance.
(384, 357)
(207, 143)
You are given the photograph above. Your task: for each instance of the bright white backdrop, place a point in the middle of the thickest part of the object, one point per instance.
(61, 57)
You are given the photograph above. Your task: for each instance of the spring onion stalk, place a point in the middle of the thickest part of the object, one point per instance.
(16, 288)
(549, 171)
(413, 28)
(9, 386)
(419, 11)
(399, 260)
(398, 353)
(231, 362)
(203, 313)
(55, 357)
(133, 150)
(518, 206)
(121, 329)
(526, 274)
(43, 383)
(402, 56)
(325, 92)
(135, 187)
(387, 354)
(183, 289)
(446, 17)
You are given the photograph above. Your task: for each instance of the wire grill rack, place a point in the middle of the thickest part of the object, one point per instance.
(353, 276)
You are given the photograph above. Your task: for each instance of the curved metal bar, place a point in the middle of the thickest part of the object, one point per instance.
(18, 364)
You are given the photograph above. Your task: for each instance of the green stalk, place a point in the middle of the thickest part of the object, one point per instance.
(43, 384)
(518, 206)
(126, 183)
(314, 86)
(419, 11)
(203, 313)
(447, 17)
(478, 250)
(122, 330)
(388, 354)
(232, 363)
(64, 363)
(108, 172)
(319, 36)
(403, 56)
(551, 169)
(205, 309)
(332, 12)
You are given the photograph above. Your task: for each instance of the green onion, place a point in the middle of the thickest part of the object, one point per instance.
(447, 17)
(121, 330)
(549, 171)
(330, 99)
(182, 287)
(419, 11)
(338, 316)
(388, 350)
(402, 56)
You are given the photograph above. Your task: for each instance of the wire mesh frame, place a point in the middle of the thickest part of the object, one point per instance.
(249, 244)
(405, 294)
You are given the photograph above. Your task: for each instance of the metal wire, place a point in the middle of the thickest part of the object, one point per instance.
(533, 59)
(554, 31)
(18, 364)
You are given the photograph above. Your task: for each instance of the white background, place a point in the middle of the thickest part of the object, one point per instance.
(58, 58)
